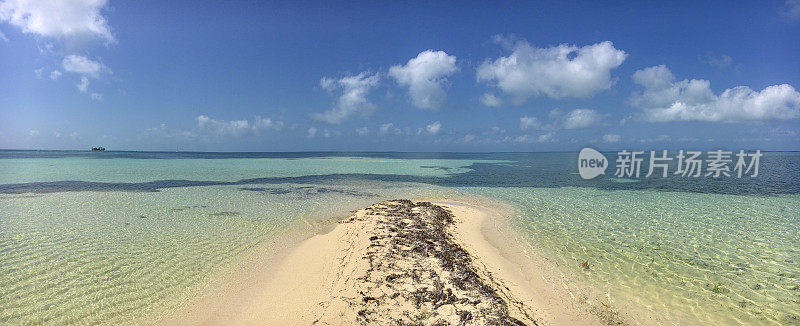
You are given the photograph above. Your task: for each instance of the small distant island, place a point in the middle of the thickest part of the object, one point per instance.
(98, 149)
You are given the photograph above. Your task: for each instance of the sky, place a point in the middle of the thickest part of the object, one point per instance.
(405, 76)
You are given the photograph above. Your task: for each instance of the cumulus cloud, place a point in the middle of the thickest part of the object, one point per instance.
(222, 127)
(434, 128)
(55, 74)
(666, 99)
(97, 96)
(489, 99)
(611, 138)
(353, 98)
(83, 85)
(522, 138)
(425, 76)
(527, 122)
(82, 65)
(57, 19)
(575, 119)
(548, 137)
(236, 128)
(260, 124)
(581, 118)
(312, 132)
(388, 128)
(557, 72)
(543, 138)
(363, 131)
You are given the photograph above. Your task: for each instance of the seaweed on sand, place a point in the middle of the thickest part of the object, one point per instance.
(414, 262)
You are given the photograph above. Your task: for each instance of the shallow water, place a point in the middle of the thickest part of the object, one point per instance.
(120, 237)
(688, 258)
(117, 257)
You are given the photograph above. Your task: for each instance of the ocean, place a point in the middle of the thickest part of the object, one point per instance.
(124, 237)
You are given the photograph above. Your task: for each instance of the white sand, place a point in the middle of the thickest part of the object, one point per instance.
(322, 280)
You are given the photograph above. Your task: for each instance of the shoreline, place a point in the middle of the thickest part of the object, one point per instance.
(327, 279)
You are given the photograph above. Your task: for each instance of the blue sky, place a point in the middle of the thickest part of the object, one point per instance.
(411, 76)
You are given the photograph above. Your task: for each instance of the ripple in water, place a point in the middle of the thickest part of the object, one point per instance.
(685, 257)
(126, 257)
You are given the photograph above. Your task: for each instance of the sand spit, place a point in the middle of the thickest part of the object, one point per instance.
(395, 263)
(417, 274)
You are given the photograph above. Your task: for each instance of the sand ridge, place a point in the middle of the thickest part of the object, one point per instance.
(396, 263)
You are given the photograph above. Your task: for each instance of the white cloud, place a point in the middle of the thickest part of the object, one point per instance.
(424, 76)
(363, 131)
(328, 84)
(581, 118)
(527, 122)
(791, 10)
(84, 84)
(556, 120)
(388, 128)
(434, 128)
(548, 137)
(489, 99)
(558, 71)
(97, 96)
(467, 138)
(33, 132)
(260, 124)
(55, 74)
(82, 65)
(64, 18)
(39, 72)
(312, 132)
(611, 138)
(236, 128)
(665, 99)
(222, 127)
(353, 99)
(3, 37)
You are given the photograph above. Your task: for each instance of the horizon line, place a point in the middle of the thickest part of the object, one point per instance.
(325, 151)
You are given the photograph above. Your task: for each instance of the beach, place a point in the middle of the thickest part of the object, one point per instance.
(243, 238)
(398, 262)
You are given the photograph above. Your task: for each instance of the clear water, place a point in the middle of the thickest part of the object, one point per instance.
(119, 237)
(686, 258)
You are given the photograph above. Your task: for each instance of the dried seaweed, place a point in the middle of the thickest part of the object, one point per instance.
(413, 240)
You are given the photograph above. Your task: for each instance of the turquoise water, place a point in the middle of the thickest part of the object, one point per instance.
(121, 238)
(119, 257)
(685, 258)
